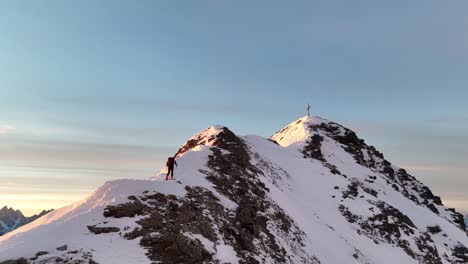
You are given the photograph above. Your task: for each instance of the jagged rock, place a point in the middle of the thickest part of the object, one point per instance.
(41, 253)
(38, 254)
(434, 229)
(103, 230)
(246, 216)
(11, 219)
(192, 248)
(171, 245)
(62, 248)
(17, 261)
(125, 210)
(313, 148)
(460, 252)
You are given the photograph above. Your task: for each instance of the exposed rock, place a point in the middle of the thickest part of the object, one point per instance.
(353, 190)
(62, 248)
(460, 253)
(11, 219)
(171, 224)
(246, 214)
(369, 157)
(16, 261)
(125, 210)
(41, 253)
(64, 257)
(434, 229)
(192, 248)
(313, 148)
(103, 230)
(232, 173)
(388, 226)
(170, 218)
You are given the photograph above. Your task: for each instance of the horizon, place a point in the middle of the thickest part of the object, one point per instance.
(95, 91)
(35, 211)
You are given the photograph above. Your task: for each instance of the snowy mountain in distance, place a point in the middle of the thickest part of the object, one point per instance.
(312, 193)
(11, 219)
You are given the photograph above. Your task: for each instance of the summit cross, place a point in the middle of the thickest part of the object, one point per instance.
(308, 110)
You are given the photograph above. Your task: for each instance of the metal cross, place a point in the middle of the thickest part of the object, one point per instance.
(308, 110)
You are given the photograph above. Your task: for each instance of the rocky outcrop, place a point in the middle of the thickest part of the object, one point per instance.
(170, 223)
(390, 226)
(131, 209)
(62, 248)
(64, 257)
(370, 157)
(313, 148)
(232, 173)
(189, 229)
(11, 219)
(16, 261)
(460, 254)
(102, 230)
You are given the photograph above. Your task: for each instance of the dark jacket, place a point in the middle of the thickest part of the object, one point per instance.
(171, 162)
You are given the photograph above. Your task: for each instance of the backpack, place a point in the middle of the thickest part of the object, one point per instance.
(170, 162)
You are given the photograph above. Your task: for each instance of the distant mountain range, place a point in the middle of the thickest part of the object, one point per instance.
(11, 219)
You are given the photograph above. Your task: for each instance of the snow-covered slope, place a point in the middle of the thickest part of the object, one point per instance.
(312, 193)
(11, 219)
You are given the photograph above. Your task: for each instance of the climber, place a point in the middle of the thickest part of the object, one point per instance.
(170, 167)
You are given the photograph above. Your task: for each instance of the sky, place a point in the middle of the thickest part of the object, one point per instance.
(92, 91)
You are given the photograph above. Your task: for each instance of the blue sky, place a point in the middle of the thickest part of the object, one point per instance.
(97, 90)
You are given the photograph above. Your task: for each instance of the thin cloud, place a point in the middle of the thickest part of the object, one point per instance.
(433, 168)
(156, 104)
(460, 204)
(88, 156)
(5, 129)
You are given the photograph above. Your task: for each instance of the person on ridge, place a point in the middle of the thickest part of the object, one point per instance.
(170, 167)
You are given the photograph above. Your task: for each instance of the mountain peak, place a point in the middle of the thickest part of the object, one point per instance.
(11, 219)
(321, 195)
(6, 209)
(205, 138)
(309, 120)
(297, 131)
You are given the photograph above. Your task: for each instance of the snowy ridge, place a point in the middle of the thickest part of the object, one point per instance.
(67, 226)
(319, 195)
(199, 141)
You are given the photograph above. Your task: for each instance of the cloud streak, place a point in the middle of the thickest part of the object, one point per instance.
(158, 104)
(433, 168)
(460, 204)
(5, 129)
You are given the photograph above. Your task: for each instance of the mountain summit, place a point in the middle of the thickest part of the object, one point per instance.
(11, 219)
(312, 193)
